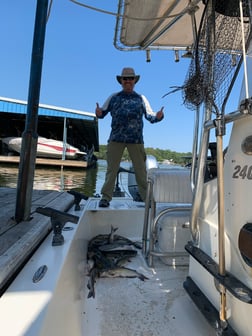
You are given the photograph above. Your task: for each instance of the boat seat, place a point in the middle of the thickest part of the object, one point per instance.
(168, 191)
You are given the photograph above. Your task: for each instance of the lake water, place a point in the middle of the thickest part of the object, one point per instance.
(88, 182)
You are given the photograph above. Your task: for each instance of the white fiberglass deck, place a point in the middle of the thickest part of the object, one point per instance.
(158, 306)
(58, 303)
(155, 307)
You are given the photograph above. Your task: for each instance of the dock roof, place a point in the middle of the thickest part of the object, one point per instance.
(10, 105)
(82, 126)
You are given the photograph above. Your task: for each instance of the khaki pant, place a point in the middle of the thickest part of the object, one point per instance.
(114, 156)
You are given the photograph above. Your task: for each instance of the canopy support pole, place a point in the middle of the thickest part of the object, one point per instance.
(30, 136)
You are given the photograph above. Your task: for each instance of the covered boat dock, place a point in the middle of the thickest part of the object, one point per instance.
(77, 128)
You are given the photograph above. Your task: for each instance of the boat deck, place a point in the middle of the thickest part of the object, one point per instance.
(158, 306)
(17, 241)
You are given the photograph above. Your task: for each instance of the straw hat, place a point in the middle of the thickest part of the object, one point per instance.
(127, 72)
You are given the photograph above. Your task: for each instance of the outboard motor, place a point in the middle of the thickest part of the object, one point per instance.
(151, 162)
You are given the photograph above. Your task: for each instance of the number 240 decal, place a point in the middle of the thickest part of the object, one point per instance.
(243, 172)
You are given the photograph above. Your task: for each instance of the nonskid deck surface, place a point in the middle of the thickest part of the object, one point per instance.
(158, 306)
(119, 203)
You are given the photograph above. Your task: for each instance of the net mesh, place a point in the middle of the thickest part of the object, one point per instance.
(217, 53)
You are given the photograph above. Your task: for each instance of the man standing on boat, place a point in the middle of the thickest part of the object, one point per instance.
(127, 109)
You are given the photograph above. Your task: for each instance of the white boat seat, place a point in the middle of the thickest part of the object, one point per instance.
(171, 188)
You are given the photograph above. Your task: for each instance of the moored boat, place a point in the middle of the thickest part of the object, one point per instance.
(47, 148)
(63, 134)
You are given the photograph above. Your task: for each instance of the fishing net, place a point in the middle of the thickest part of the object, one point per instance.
(217, 54)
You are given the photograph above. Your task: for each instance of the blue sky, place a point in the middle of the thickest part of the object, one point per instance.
(81, 63)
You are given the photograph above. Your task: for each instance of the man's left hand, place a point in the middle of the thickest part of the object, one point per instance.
(160, 114)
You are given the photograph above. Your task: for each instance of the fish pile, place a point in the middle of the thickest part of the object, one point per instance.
(107, 253)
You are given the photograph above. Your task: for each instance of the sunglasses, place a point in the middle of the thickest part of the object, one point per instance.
(128, 78)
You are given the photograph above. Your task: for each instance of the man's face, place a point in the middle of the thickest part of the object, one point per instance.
(128, 83)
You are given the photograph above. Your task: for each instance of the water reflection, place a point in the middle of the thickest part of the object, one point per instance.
(54, 179)
(88, 181)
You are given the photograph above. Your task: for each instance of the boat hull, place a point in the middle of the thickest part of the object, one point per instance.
(46, 148)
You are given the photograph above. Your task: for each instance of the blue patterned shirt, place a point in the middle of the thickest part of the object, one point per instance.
(127, 111)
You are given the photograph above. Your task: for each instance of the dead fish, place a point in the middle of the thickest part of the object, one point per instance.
(122, 272)
(94, 273)
(90, 265)
(119, 242)
(120, 253)
(126, 241)
(118, 257)
(111, 241)
(107, 253)
(100, 260)
(114, 246)
(111, 235)
(102, 239)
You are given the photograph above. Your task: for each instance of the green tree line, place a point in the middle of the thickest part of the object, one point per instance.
(160, 154)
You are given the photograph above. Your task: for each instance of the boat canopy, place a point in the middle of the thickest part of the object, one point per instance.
(157, 24)
(175, 24)
(209, 32)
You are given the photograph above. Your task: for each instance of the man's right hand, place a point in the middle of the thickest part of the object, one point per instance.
(98, 110)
